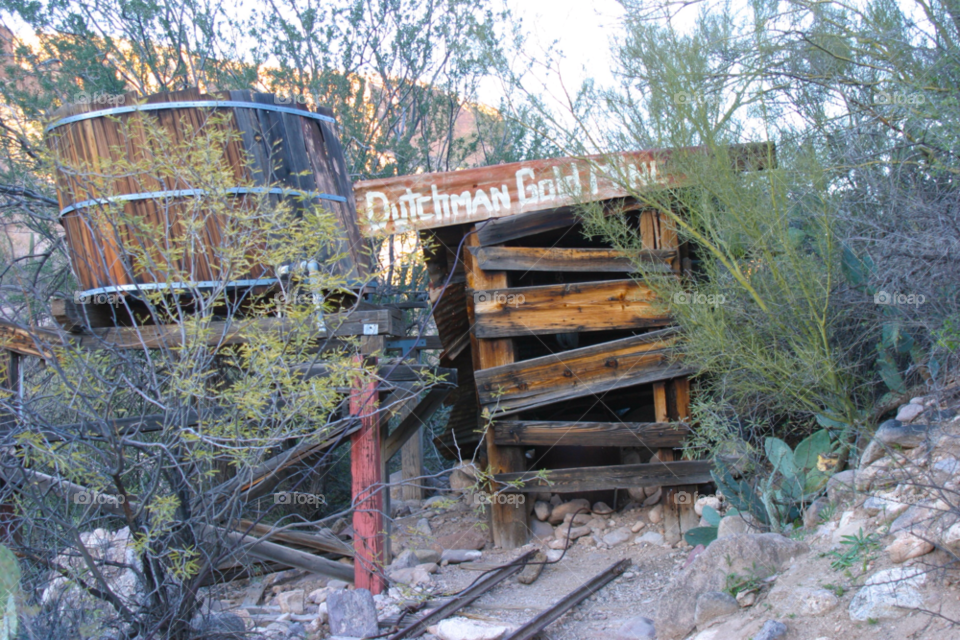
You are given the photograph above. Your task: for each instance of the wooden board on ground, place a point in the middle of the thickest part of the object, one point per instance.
(625, 476)
(565, 308)
(580, 372)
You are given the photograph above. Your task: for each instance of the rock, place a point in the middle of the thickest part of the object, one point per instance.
(470, 538)
(909, 412)
(712, 605)
(887, 593)
(463, 478)
(532, 571)
(541, 530)
(735, 455)
(412, 576)
(565, 530)
(555, 500)
(636, 528)
(893, 434)
(638, 628)
(541, 510)
(908, 546)
(561, 510)
(813, 513)
(222, 626)
(427, 555)
(650, 537)
(597, 524)
(336, 584)
(456, 556)
(291, 601)
(406, 560)
(617, 536)
(602, 509)
(466, 629)
(553, 555)
(653, 498)
(558, 544)
(919, 517)
(841, 486)
(319, 596)
(771, 630)
(889, 504)
(352, 613)
(706, 501)
(803, 601)
(656, 514)
(746, 598)
(755, 555)
(948, 465)
(738, 524)
(951, 537)
(423, 526)
(579, 519)
(849, 525)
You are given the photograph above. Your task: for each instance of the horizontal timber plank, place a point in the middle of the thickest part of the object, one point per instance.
(569, 260)
(654, 474)
(579, 372)
(652, 435)
(565, 308)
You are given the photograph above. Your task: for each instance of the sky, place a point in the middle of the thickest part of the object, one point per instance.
(582, 30)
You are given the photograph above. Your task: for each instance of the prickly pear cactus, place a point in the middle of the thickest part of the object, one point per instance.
(9, 591)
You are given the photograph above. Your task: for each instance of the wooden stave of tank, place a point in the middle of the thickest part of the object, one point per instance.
(277, 147)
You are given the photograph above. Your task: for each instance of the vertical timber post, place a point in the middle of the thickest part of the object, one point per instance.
(366, 468)
(411, 461)
(671, 402)
(510, 521)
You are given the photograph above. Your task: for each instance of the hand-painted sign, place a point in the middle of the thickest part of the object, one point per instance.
(428, 200)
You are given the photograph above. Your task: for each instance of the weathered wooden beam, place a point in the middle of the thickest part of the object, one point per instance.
(367, 486)
(625, 476)
(324, 540)
(510, 521)
(411, 467)
(565, 308)
(426, 408)
(590, 434)
(75, 317)
(566, 260)
(580, 372)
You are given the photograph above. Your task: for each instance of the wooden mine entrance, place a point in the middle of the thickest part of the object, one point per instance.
(563, 359)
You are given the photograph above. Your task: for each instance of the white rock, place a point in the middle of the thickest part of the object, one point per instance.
(636, 528)
(553, 554)
(807, 601)
(909, 412)
(650, 537)
(617, 536)
(706, 501)
(887, 593)
(466, 629)
(291, 601)
(541, 510)
(951, 537)
(737, 524)
(423, 526)
(656, 514)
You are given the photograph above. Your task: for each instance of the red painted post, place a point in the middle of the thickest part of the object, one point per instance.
(367, 487)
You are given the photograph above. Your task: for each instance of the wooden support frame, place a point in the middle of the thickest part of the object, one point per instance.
(367, 486)
(624, 476)
(672, 400)
(565, 260)
(549, 433)
(510, 522)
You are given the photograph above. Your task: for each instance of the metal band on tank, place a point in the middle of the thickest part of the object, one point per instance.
(202, 104)
(186, 193)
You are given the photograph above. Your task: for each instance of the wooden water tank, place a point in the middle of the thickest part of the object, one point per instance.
(283, 149)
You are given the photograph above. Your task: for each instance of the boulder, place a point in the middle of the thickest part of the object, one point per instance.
(541, 530)
(841, 487)
(712, 605)
(468, 538)
(457, 556)
(463, 478)
(656, 514)
(771, 630)
(426, 555)
(541, 510)
(706, 501)
(754, 555)
(653, 498)
(617, 536)
(908, 546)
(887, 593)
(909, 412)
(352, 613)
(738, 524)
(638, 628)
(813, 513)
(650, 537)
(565, 530)
(291, 601)
(466, 629)
(406, 560)
(560, 511)
(602, 509)
(893, 434)
(423, 527)
(533, 569)
(222, 626)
